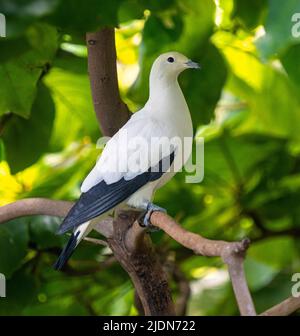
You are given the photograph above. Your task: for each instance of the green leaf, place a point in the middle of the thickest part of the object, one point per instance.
(249, 13)
(277, 291)
(12, 48)
(13, 245)
(21, 73)
(60, 176)
(70, 87)
(290, 61)
(27, 140)
(278, 28)
(130, 10)
(258, 274)
(230, 160)
(276, 252)
(43, 232)
(203, 88)
(272, 100)
(80, 17)
(157, 6)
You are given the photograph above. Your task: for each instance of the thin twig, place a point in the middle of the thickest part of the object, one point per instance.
(231, 253)
(96, 241)
(285, 308)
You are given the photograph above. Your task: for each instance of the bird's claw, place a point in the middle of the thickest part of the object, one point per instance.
(145, 218)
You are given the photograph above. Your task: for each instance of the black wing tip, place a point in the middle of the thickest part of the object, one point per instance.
(66, 252)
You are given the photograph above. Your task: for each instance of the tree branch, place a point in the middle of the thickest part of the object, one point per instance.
(134, 250)
(232, 253)
(34, 206)
(285, 308)
(111, 112)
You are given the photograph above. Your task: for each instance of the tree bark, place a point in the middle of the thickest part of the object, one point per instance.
(135, 252)
(110, 110)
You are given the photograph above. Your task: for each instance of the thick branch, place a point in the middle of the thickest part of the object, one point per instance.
(111, 112)
(134, 250)
(34, 206)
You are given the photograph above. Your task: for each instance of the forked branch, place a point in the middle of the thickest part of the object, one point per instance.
(231, 253)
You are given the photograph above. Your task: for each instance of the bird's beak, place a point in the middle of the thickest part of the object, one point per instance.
(192, 65)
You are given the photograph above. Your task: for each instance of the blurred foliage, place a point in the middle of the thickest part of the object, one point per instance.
(245, 102)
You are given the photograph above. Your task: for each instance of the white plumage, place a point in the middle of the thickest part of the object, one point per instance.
(165, 115)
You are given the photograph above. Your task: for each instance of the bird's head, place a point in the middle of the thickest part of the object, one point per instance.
(169, 65)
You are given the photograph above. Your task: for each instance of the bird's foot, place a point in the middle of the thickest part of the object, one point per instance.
(144, 220)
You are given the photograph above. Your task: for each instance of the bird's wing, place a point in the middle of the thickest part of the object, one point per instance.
(125, 156)
(103, 197)
(107, 186)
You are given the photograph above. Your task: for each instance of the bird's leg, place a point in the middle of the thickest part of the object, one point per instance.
(144, 219)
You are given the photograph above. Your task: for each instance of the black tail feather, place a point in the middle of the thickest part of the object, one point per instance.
(66, 252)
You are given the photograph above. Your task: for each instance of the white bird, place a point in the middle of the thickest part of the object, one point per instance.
(113, 181)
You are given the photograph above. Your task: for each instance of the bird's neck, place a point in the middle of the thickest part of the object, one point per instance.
(163, 90)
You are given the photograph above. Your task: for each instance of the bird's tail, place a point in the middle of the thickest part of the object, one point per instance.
(76, 237)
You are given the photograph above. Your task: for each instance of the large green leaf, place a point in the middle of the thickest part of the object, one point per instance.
(258, 274)
(272, 100)
(11, 48)
(20, 74)
(278, 28)
(70, 87)
(203, 88)
(275, 252)
(43, 232)
(290, 61)
(27, 140)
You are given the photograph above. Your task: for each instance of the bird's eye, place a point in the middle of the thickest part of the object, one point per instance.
(171, 59)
